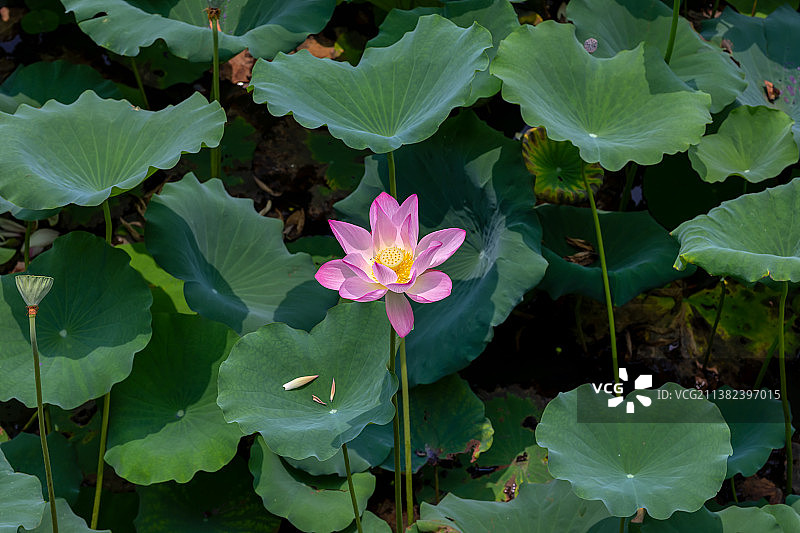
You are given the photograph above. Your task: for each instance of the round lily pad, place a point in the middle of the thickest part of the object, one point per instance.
(625, 108)
(350, 346)
(86, 151)
(219, 502)
(755, 143)
(60, 80)
(622, 24)
(167, 424)
(68, 521)
(639, 253)
(757, 428)
(556, 165)
(321, 504)
(20, 499)
(89, 326)
(233, 261)
(265, 27)
(396, 95)
(539, 508)
(447, 419)
(626, 454)
(497, 16)
(471, 177)
(24, 453)
(750, 238)
(767, 52)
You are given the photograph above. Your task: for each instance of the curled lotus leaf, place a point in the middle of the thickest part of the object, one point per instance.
(755, 143)
(750, 238)
(626, 108)
(91, 149)
(265, 27)
(21, 499)
(396, 95)
(556, 167)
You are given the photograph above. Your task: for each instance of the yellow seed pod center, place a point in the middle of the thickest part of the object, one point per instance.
(391, 257)
(398, 260)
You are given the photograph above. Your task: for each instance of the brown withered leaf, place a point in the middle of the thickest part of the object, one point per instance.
(239, 69)
(754, 488)
(319, 50)
(771, 91)
(586, 254)
(293, 227)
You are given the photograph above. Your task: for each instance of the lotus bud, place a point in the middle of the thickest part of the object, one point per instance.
(296, 383)
(33, 288)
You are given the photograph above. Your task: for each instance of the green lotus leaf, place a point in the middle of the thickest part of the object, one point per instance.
(321, 248)
(68, 521)
(447, 419)
(622, 24)
(345, 165)
(334, 465)
(310, 503)
(539, 508)
(786, 517)
(21, 499)
(556, 165)
(675, 193)
(746, 519)
(396, 95)
(219, 502)
(757, 428)
(167, 290)
(350, 345)
(639, 253)
(265, 27)
(94, 319)
(60, 80)
(750, 238)
(625, 455)
(26, 214)
(233, 262)
(167, 424)
(763, 7)
(755, 143)
(24, 453)
(497, 16)
(467, 176)
(766, 51)
(86, 151)
(624, 109)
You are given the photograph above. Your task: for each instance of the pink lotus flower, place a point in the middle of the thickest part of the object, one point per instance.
(390, 261)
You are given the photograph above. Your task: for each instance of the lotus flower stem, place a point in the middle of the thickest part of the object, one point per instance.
(392, 180)
(676, 4)
(26, 247)
(622, 525)
(601, 252)
(716, 323)
(98, 489)
(626, 193)
(733, 491)
(40, 413)
(135, 69)
(398, 489)
(216, 153)
(350, 486)
(784, 399)
(407, 433)
(753, 12)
